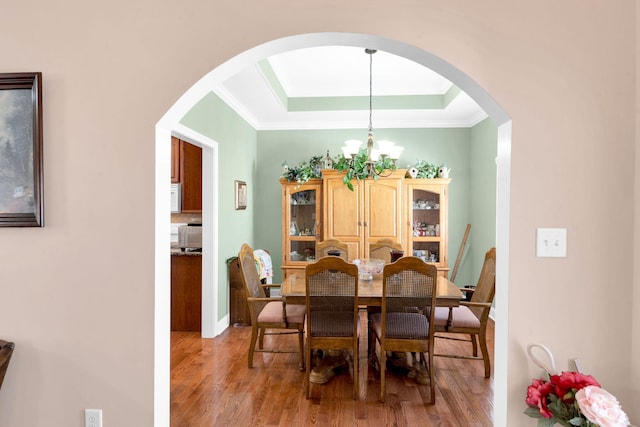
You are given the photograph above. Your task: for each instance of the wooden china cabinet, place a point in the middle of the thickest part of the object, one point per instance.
(301, 224)
(372, 211)
(413, 212)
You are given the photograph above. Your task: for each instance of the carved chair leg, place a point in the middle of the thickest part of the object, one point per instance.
(252, 346)
(301, 348)
(474, 343)
(356, 362)
(432, 377)
(383, 367)
(485, 355)
(307, 353)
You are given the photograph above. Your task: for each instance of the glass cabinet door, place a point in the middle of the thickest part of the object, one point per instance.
(426, 225)
(303, 224)
(427, 238)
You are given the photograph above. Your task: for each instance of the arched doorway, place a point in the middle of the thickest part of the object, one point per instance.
(170, 123)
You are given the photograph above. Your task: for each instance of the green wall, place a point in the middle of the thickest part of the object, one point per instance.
(439, 146)
(484, 150)
(237, 161)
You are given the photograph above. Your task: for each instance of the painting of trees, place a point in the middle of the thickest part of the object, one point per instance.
(16, 151)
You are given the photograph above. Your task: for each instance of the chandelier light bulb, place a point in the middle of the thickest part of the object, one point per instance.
(352, 147)
(395, 152)
(385, 147)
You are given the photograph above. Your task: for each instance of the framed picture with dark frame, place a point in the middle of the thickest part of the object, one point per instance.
(21, 181)
(241, 195)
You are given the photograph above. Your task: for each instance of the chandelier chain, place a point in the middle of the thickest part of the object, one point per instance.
(371, 52)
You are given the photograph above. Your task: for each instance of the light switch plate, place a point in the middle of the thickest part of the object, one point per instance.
(551, 242)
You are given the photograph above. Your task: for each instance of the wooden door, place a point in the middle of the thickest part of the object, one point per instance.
(186, 293)
(191, 177)
(175, 160)
(383, 210)
(344, 214)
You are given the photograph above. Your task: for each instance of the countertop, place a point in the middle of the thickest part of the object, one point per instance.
(187, 252)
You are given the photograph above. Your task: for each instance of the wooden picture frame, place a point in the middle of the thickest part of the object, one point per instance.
(241, 195)
(21, 180)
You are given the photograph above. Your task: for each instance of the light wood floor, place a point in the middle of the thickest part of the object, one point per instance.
(211, 385)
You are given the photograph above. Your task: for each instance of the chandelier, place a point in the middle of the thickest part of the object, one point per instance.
(374, 162)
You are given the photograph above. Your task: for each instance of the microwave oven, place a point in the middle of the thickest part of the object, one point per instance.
(176, 198)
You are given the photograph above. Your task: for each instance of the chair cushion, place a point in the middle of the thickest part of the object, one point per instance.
(462, 317)
(272, 313)
(402, 325)
(332, 324)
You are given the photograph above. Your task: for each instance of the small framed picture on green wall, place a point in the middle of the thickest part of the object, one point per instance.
(241, 195)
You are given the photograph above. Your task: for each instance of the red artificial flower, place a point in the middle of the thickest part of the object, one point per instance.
(567, 381)
(537, 394)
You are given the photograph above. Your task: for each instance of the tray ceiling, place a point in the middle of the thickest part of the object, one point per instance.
(328, 88)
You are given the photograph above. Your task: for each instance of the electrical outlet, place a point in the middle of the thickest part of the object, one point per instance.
(93, 418)
(551, 242)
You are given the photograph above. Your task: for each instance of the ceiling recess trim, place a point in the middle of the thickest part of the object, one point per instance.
(273, 82)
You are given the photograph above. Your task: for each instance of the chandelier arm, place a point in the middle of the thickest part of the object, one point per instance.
(385, 173)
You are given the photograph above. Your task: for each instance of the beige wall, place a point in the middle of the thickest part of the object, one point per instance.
(78, 294)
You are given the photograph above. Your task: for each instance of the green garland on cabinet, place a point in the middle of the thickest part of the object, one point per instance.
(304, 171)
(311, 169)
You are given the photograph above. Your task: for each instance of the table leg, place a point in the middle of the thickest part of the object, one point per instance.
(329, 363)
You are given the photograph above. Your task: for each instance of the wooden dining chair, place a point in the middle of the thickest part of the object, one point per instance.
(269, 315)
(405, 323)
(323, 248)
(333, 322)
(471, 317)
(382, 249)
(6, 351)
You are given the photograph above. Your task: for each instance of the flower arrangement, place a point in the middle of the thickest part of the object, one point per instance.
(573, 399)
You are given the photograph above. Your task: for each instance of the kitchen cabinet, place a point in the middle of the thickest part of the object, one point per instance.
(426, 219)
(175, 160)
(372, 211)
(186, 169)
(191, 177)
(301, 224)
(186, 293)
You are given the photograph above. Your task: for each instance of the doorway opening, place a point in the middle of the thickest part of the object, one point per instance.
(170, 124)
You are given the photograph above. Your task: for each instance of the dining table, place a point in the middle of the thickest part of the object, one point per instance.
(369, 291)
(293, 291)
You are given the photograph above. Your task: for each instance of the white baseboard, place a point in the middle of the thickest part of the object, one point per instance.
(222, 324)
